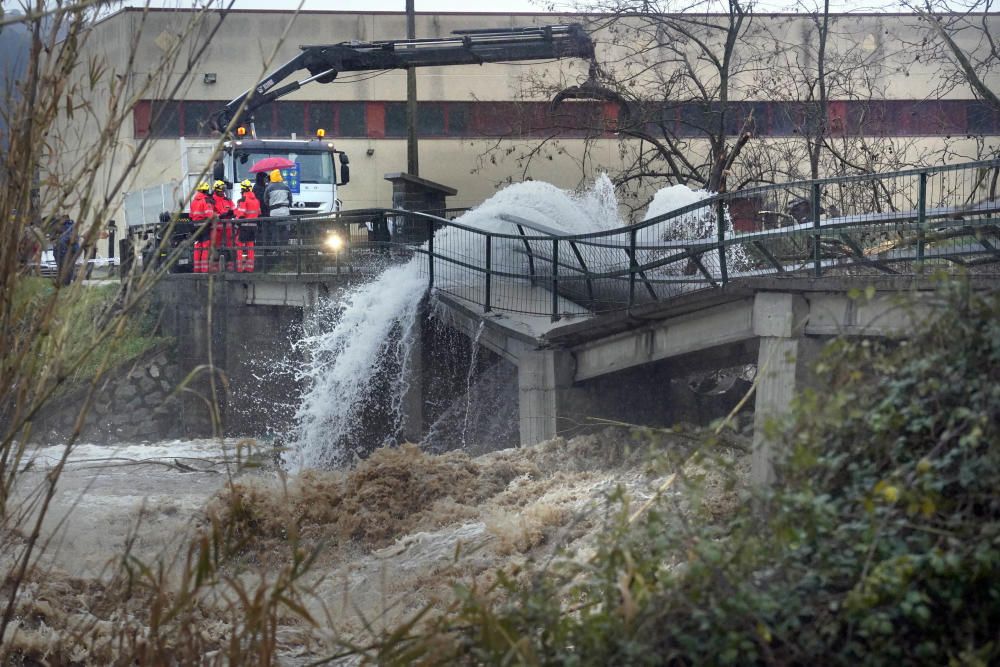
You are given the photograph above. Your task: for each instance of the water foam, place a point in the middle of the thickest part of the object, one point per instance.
(697, 224)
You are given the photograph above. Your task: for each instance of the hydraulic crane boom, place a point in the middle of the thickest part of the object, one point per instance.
(465, 47)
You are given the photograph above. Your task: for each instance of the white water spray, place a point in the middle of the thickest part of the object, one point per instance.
(372, 329)
(697, 224)
(468, 381)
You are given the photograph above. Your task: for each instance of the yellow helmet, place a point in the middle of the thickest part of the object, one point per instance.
(276, 176)
(245, 184)
(219, 185)
(203, 187)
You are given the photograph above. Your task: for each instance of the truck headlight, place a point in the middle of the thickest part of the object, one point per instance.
(333, 242)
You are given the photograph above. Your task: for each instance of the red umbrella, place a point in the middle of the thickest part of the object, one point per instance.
(271, 163)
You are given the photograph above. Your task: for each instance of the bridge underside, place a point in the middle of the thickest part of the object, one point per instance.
(616, 366)
(578, 370)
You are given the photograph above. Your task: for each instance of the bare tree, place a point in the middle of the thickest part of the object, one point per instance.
(68, 153)
(671, 71)
(674, 69)
(962, 37)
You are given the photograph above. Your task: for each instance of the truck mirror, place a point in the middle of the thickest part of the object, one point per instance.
(218, 171)
(345, 169)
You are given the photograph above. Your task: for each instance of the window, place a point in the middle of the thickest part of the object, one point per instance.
(458, 119)
(165, 119)
(141, 118)
(395, 119)
(981, 118)
(291, 117)
(314, 167)
(493, 119)
(320, 116)
(870, 118)
(430, 120)
(698, 119)
(351, 119)
(265, 122)
(198, 118)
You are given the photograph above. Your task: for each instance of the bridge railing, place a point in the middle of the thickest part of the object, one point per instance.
(904, 222)
(899, 223)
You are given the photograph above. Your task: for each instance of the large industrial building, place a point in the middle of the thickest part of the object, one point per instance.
(478, 123)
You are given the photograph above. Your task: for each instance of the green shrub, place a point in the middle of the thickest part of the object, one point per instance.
(84, 312)
(880, 543)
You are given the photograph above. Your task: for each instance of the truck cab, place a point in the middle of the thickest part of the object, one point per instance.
(319, 168)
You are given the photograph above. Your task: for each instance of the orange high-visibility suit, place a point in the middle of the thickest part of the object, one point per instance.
(202, 209)
(247, 209)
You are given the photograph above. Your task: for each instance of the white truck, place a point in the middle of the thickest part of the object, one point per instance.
(319, 170)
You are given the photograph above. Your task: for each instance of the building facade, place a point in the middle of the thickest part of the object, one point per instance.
(482, 126)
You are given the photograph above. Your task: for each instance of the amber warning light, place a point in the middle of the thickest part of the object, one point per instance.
(241, 131)
(320, 134)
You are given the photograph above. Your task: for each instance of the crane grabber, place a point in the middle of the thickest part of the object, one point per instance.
(463, 47)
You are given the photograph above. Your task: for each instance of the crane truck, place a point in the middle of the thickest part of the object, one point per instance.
(320, 168)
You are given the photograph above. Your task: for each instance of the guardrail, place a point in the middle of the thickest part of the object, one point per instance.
(903, 222)
(898, 223)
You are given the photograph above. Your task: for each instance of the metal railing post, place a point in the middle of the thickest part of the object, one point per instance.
(298, 248)
(632, 266)
(555, 279)
(430, 253)
(817, 256)
(720, 215)
(489, 272)
(348, 248)
(921, 218)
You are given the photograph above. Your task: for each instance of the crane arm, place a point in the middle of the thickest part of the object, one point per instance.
(464, 47)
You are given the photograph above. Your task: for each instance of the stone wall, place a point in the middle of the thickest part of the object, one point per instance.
(249, 345)
(136, 402)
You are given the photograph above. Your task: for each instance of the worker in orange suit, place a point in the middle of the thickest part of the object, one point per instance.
(202, 210)
(222, 229)
(247, 212)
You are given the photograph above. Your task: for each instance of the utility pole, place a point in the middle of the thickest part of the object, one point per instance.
(412, 161)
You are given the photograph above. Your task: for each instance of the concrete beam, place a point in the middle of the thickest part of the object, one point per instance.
(260, 293)
(779, 314)
(692, 332)
(490, 333)
(891, 315)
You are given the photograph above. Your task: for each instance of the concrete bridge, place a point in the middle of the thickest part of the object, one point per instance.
(596, 323)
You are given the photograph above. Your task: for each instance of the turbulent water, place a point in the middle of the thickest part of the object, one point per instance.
(106, 491)
(363, 343)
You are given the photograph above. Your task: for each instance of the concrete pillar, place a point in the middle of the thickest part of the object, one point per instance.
(544, 378)
(784, 366)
